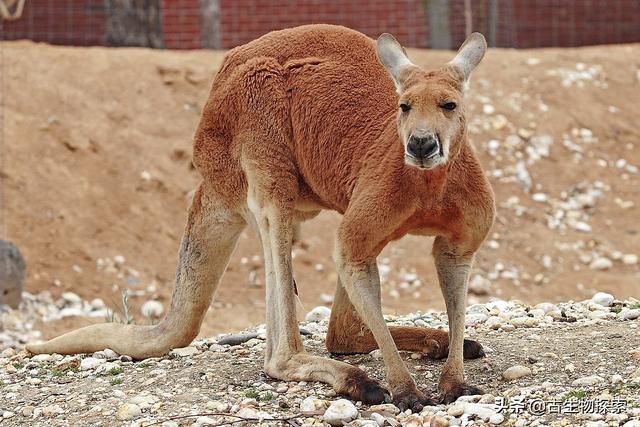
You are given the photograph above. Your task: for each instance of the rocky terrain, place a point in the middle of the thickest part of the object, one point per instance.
(97, 172)
(565, 364)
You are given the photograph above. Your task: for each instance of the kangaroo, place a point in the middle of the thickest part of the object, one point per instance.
(323, 117)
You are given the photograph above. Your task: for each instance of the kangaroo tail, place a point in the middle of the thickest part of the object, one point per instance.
(207, 245)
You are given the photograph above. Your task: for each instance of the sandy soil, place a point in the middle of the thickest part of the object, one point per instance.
(97, 147)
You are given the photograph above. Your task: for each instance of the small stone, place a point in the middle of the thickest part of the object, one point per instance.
(601, 263)
(217, 406)
(587, 381)
(496, 419)
(475, 319)
(236, 339)
(110, 354)
(439, 422)
(385, 407)
(184, 351)
(630, 259)
(456, 410)
(314, 404)
(89, 363)
(629, 314)
(340, 412)
(379, 419)
(128, 411)
(602, 299)
(478, 285)
(152, 309)
(493, 322)
(41, 358)
(317, 314)
(515, 372)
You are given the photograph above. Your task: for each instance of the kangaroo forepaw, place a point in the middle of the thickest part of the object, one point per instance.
(451, 394)
(359, 387)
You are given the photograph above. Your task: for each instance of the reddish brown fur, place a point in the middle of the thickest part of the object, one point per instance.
(307, 119)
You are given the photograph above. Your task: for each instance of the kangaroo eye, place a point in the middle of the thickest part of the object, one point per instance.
(405, 107)
(450, 106)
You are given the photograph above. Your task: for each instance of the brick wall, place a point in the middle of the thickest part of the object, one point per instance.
(192, 24)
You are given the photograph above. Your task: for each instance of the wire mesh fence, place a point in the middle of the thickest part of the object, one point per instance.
(190, 24)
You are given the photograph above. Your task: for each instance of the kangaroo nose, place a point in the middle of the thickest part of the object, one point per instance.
(423, 147)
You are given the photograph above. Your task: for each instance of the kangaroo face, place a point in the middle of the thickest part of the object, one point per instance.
(430, 117)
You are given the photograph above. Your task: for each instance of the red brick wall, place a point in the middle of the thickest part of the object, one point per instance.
(244, 20)
(519, 23)
(76, 22)
(182, 24)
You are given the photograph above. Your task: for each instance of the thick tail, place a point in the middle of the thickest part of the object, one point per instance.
(207, 245)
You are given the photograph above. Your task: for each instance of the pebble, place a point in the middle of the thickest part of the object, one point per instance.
(89, 363)
(496, 419)
(629, 314)
(237, 339)
(152, 309)
(184, 351)
(340, 412)
(318, 314)
(314, 404)
(455, 410)
(601, 263)
(515, 372)
(603, 299)
(630, 259)
(385, 407)
(439, 422)
(587, 381)
(379, 419)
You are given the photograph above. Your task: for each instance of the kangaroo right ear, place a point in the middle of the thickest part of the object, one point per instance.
(393, 57)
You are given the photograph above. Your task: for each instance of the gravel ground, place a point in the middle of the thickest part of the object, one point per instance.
(574, 363)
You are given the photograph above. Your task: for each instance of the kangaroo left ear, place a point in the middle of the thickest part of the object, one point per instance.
(394, 58)
(470, 54)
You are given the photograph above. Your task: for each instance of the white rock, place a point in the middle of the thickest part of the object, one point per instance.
(184, 351)
(90, 363)
(493, 322)
(110, 354)
(629, 314)
(385, 407)
(317, 314)
(152, 309)
(478, 285)
(340, 412)
(119, 260)
(41, 358)
(587, 381)
(601, 263)
(630, 259)
(128, 411)
(475, 318)
(484, 411)
(455, 410)
(379, 419)
(314, 404)
(515, 372)
(496, 419)
(603, 299)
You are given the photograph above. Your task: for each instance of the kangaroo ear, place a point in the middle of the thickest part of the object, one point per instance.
(470, 54)
(393, 57)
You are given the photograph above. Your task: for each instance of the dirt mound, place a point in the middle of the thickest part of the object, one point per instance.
(97, 171)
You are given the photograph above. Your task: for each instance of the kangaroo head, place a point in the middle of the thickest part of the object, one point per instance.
(431, 122)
